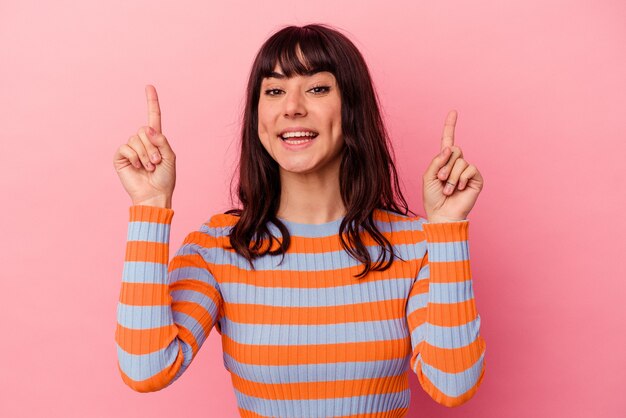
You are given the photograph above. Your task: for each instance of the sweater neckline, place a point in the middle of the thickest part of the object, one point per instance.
(335, 222)
(312, 230)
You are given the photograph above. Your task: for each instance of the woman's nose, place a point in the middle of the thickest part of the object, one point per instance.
(294, 104)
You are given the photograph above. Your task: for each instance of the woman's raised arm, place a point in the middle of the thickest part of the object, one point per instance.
(164, 314)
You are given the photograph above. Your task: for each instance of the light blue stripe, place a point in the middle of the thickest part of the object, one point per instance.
(448, 251)
(192, 325)
(143, 366)
(305, 230)
(332, 228)
(424, 272)
(279, 334)
(451, 292)
(147, 317)
(454, 384)
(327, 229)
(144, 272)
(193, 273)
(308, 373)
(302, 261)
(417, 335)
(373, 291)
(416, 302)
(201, 299)
(144, 317)
(156, 273)
(453, 337)
(331, 407)
(148, 231)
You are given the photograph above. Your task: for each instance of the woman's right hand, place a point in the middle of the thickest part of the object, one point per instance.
(148, 179)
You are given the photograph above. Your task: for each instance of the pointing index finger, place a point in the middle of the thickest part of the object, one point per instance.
(154, 111)
(447, 140)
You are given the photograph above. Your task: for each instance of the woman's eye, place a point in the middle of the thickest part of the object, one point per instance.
(271, 92)
(315, 90)
(321, 89)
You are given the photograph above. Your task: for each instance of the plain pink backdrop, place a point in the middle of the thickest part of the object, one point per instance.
(541, 94)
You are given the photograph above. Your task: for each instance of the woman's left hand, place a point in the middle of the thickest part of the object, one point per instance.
(451, 184)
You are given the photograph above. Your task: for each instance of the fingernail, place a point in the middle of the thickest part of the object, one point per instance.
(150, 166)
(150, 131)
(155, 157)
(448, 188)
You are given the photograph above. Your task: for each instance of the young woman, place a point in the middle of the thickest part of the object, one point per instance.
(324, 290)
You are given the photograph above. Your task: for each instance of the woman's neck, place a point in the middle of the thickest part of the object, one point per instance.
(312, 198)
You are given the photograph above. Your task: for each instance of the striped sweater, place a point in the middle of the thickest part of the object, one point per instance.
(304, 338)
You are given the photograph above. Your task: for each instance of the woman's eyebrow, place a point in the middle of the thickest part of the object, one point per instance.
(281, 76)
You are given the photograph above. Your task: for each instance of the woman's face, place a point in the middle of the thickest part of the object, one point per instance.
(301, 104)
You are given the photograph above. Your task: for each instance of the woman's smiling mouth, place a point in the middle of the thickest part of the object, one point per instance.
(297, 137)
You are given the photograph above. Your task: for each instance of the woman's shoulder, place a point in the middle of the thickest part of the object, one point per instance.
(395, 219)
(213, 232)
(220, 223)
(222, 220)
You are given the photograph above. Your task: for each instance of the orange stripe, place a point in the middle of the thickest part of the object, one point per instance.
(419, 287)
(449, 271)
(447, 231)
(417, 318)
(187, 336)
(145, 294)
(156, 382)
(225, 220)
(156, 294)
(148, 251)
(310, 279)
(140, 213)
(314, 244)
(443, 399)
(197, 312)
(358, 312)
(187, 260)
(201, 239)
(144, 341)
(453, 360)
(394, 413)
(281, 355)
(197, 286)
(451, 314)
(400, 237)
(244, 413)
(323, 390)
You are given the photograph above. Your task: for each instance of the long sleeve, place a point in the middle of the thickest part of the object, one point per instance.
(448, 354)
(165, 313)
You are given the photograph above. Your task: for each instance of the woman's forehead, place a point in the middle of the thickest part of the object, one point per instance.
(278, 74)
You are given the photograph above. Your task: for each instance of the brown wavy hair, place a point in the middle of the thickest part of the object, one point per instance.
(368, 177)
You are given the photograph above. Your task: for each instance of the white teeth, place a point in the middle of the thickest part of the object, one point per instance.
(300, 141)
(297, 134)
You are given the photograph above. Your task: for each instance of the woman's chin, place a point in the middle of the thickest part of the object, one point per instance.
(293, 167)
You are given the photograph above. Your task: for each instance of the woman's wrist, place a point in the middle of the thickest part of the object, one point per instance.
(440, 219)
(158, 201)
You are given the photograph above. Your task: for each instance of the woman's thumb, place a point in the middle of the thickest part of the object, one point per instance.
(437, 162)
(159, 141)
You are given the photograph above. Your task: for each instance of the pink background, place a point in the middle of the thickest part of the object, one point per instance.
(541, 94)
